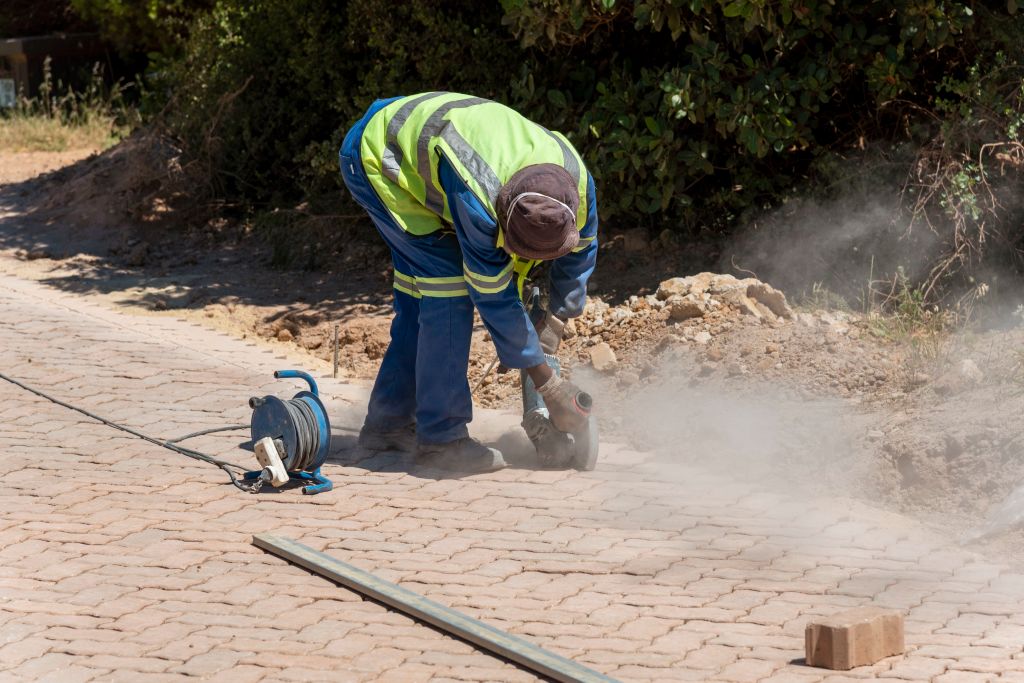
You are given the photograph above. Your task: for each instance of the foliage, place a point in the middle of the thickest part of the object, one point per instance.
(910, 320)
(60, 118)
(143, 26)
(693, 115)
(257, 95)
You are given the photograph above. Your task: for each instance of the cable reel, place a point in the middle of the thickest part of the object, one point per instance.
(291, 437)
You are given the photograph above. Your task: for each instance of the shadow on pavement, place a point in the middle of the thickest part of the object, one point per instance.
(518, 451)
(180, 268)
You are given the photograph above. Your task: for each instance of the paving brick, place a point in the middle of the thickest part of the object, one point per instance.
(917, 669)
(17, 652)
(211, 663)
(963, 677)
(857, 637)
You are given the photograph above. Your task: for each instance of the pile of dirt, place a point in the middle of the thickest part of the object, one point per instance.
(958, 444)
(138, 192)
(736, 328)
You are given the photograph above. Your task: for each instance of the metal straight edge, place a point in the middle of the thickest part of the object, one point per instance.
(514, 648)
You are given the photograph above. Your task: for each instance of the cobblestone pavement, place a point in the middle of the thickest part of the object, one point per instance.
(123, 561)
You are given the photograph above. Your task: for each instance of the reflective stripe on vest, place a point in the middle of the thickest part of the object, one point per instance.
(438, 287)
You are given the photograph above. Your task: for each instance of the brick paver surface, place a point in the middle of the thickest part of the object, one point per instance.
(122, 561)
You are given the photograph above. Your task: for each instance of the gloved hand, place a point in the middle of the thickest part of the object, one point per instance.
(560, 397)
(550, 330)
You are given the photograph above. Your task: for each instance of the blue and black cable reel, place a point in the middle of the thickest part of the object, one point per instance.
(291, 437)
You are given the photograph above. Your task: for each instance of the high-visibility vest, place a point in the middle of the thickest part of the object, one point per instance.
(484, 141)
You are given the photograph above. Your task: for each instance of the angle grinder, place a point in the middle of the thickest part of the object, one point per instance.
(557, 449)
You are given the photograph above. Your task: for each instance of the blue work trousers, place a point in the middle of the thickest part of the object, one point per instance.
(422, 378)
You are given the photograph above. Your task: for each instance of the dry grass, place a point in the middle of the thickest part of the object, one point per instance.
(37, 133)
(60, 118)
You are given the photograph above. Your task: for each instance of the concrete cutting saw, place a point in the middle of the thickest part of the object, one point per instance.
(557, 449)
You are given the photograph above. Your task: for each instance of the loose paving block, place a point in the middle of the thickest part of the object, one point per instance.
(856, 637)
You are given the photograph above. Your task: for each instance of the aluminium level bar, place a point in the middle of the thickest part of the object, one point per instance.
(511, 647)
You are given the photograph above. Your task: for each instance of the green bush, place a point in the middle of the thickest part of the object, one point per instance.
(154, 26)
(267, 89)
(693, 115)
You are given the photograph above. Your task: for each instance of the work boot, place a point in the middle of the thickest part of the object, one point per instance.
(403, 439)
(466, 455)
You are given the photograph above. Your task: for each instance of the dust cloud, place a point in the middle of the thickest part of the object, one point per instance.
(842, 245)
(746, 430)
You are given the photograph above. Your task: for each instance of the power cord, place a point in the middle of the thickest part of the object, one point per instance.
(170, 444)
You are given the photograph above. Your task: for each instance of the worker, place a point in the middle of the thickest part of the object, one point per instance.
(469, 195)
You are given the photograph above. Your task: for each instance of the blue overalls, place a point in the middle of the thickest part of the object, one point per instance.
(422, 378)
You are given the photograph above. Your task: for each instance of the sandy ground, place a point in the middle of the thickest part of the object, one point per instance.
(19, 166)
(820, 396)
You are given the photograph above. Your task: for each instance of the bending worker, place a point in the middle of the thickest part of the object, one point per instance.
(469, 195)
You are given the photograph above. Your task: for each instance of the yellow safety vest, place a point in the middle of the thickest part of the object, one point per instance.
(484, 141)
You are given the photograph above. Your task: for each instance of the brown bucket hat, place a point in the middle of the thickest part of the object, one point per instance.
(537, 211)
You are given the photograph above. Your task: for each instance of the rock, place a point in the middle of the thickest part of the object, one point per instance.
(602, 357)
(919, 379)
(635, 240)
(734, 369)
(702, 337)
(686, 307)
(629, 378)
(668, 340)
(570, 330)
(771, 298)
(137, 256)
(637, 303)
(595, 307)
(970, 372)
(313, 342)
(285, 335)
(681, 286)
(743, 303)
(720, 284)
(715, 354)
(617, 315)
(766, 313)
(654, 302)
(677, 286)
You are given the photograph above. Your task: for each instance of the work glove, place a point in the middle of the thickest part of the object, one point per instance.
(560, 398)
(550, 330)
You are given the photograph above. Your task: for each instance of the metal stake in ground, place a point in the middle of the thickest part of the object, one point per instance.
(511, 647)
(335, 350)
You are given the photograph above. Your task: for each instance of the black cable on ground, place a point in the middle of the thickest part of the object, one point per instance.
(169, 445)
(228, 428)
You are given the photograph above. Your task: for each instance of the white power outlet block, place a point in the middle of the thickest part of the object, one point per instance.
(270, 461)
